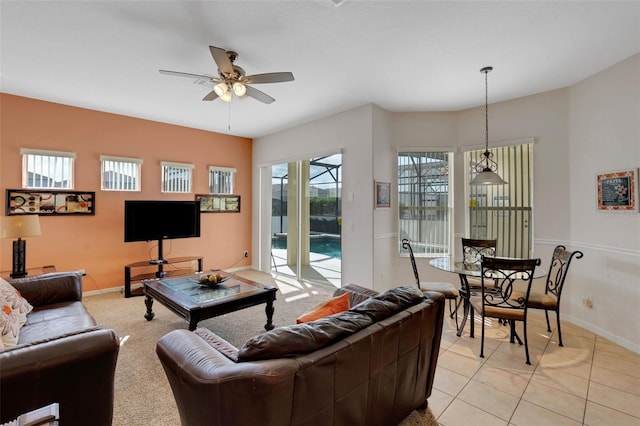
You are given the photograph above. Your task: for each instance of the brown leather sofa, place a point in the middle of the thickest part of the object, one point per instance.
(371, 365)
(62, 355)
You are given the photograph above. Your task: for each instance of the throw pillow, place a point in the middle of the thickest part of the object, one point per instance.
(324, 309)
(9, 326)
(20, 307)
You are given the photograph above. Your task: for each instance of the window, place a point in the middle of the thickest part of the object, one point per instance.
(120, 174)
(504, 212)
(221, 180)
(424, 201)
(47, 169)
(176, 177)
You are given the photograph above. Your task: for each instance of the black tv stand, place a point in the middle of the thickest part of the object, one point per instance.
(159, 272)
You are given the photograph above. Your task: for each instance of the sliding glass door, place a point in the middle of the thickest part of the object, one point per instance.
(306, 219)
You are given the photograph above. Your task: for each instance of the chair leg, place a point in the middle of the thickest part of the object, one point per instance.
(482, 339)
(559, 329)
(455, 311)
(546, 314)
(526, 341)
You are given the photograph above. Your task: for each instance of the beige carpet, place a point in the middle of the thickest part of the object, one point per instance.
(142, 393)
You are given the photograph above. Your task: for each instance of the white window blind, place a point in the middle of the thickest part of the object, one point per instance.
(221, 180)
(176, 177)
(424, 201)
(47, 169)
(120, 174)
(503, 212)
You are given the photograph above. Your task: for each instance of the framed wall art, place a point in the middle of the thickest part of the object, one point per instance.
(219, 203)
(382, 194)
(45, 202)
(618, 191)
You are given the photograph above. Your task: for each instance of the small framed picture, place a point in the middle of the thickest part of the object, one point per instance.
(382, 194)
(618, 191)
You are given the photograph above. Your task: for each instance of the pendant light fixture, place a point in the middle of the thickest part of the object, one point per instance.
(487, 170)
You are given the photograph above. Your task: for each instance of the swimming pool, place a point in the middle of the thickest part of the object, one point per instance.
(329, 245)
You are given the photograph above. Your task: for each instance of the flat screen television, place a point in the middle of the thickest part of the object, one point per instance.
(160, 220)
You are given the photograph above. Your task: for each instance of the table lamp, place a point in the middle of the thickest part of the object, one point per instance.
(19, 226)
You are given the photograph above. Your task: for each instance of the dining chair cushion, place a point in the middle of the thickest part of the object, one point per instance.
(497, 311)
(539, 300)
(447, 289)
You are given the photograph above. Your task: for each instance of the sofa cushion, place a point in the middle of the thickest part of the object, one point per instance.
(389, 303)
(303, 338)
(55, 320)
(324, 309)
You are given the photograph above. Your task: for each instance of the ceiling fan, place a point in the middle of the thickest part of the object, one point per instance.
(232, 79)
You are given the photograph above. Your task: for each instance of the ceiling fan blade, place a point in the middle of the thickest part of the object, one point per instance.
(270, 77)
(258, 95)
(222, 60)
(186, 74)
(210, 96)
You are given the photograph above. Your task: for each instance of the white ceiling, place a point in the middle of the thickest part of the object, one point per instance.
(400, 55)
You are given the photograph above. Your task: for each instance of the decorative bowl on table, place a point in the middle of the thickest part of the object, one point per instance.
(212, 278)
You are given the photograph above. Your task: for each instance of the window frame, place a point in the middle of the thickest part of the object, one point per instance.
(122, 161)
(67, 158)
(232, 177)
(419, 247)
(178, 167)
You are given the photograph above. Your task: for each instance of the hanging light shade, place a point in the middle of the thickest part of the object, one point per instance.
(487, 169)
(226, 96)
(221, 89)
(239, 89)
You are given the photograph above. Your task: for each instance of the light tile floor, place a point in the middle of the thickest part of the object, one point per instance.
(589, 381)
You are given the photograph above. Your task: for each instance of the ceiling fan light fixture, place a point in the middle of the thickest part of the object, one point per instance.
(239, 89)
(221, 89)
(226, 96)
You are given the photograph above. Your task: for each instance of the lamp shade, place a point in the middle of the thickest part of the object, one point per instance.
(487, 177)
(19, 226)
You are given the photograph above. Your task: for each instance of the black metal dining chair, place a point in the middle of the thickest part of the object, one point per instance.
(449, 291)
(550, 299)
(472, 251)
(503, 304)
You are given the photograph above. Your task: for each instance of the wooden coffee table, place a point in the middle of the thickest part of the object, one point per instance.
(195, 302)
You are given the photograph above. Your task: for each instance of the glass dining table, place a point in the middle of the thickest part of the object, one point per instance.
(465, 270)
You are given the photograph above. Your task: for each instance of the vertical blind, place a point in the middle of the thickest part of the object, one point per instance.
(424, 201)
(221, 180)
(120, 174)
(176, 177)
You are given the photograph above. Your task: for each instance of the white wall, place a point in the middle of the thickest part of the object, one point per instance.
(604, 129)
(351, 133)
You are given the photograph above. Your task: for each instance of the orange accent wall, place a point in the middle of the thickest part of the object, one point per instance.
(96, 243)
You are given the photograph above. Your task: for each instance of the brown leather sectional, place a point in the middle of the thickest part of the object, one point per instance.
(62, 355)
(371, 365)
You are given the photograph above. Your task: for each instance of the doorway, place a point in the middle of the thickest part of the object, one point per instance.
(306, 219)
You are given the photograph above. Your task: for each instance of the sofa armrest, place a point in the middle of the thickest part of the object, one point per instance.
(51, 288)
(75, 370)
(203, 380)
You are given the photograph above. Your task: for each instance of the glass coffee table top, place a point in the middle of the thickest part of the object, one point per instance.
(199, 293)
